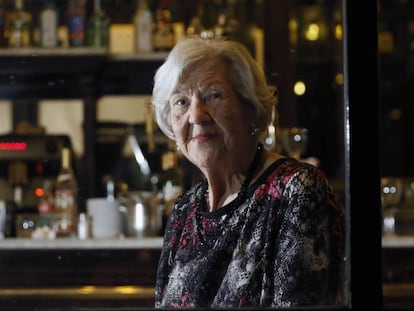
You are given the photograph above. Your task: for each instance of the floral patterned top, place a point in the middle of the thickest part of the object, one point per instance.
(282, 246)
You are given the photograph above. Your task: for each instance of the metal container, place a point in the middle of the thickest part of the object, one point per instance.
(140, 214)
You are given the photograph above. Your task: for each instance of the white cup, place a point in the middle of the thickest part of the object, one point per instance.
(105, 217)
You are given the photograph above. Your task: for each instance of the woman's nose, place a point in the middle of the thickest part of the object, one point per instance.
(198, 111)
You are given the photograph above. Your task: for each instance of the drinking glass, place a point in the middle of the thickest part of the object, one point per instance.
(294, 141)
(391, 196)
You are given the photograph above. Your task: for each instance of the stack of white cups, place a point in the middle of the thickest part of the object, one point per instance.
(105, 217)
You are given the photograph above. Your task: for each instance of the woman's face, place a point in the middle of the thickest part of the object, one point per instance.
(211, 123)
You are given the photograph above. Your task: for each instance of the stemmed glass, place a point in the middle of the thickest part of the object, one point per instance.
(294, 141)
(272, 140)
(391, 196)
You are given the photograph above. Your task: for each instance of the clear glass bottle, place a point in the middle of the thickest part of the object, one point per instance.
(19, 25)
(84, 226)
(66, 189)
(48, 21)
(143, 24)
(98, 26)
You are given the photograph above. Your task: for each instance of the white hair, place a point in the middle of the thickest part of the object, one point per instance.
(247, 77)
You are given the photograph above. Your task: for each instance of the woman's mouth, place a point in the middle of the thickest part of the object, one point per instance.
(202, 137)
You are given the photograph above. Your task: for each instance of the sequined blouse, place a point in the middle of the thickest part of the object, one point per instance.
(283, 245)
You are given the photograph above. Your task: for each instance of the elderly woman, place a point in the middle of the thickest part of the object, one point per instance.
(262, 229)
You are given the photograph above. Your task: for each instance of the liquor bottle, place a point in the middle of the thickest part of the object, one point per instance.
(76, 22)
(196, 27)
(3, 14)
(143, 24)
(98, 26)
(18, 179)
(211, 10)
(66, 208)
(19, 25)
(227, 25)
(49, 25)
(46, 206)
(163, 35)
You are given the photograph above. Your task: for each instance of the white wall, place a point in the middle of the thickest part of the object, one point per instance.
(63, 117)
(66, 116)
(6, 117)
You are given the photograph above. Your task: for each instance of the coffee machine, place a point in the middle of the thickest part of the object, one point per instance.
(26, 163)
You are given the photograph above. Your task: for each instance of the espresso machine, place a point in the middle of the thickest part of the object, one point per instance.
(26, 163)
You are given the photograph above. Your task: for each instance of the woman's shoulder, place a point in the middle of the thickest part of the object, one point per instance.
(288, 178)
(289, 171)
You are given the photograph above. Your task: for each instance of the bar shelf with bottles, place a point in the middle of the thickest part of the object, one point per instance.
(135, 31)
(141, 26)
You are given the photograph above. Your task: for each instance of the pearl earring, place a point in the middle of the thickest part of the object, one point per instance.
(254, 130)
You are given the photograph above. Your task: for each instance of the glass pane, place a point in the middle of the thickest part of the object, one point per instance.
(316, 37)
(395, 45)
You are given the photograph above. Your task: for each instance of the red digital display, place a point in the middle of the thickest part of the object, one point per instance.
(13, 146)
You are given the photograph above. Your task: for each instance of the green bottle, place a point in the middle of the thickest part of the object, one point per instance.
(98, 27)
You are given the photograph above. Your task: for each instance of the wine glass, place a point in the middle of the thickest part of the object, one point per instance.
(294, 141)
(391, 196)
(271, 140)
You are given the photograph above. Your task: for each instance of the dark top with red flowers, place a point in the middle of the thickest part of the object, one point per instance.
(281, 245)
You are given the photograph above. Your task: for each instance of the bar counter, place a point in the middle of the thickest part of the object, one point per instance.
(43, 244)
(392, 241)
(76, 274)
(398, 272)
(120, 273)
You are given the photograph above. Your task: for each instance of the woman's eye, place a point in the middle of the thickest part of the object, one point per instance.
(179, 101)
(213, 95)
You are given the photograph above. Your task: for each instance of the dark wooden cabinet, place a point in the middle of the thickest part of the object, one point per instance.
(72, 274)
